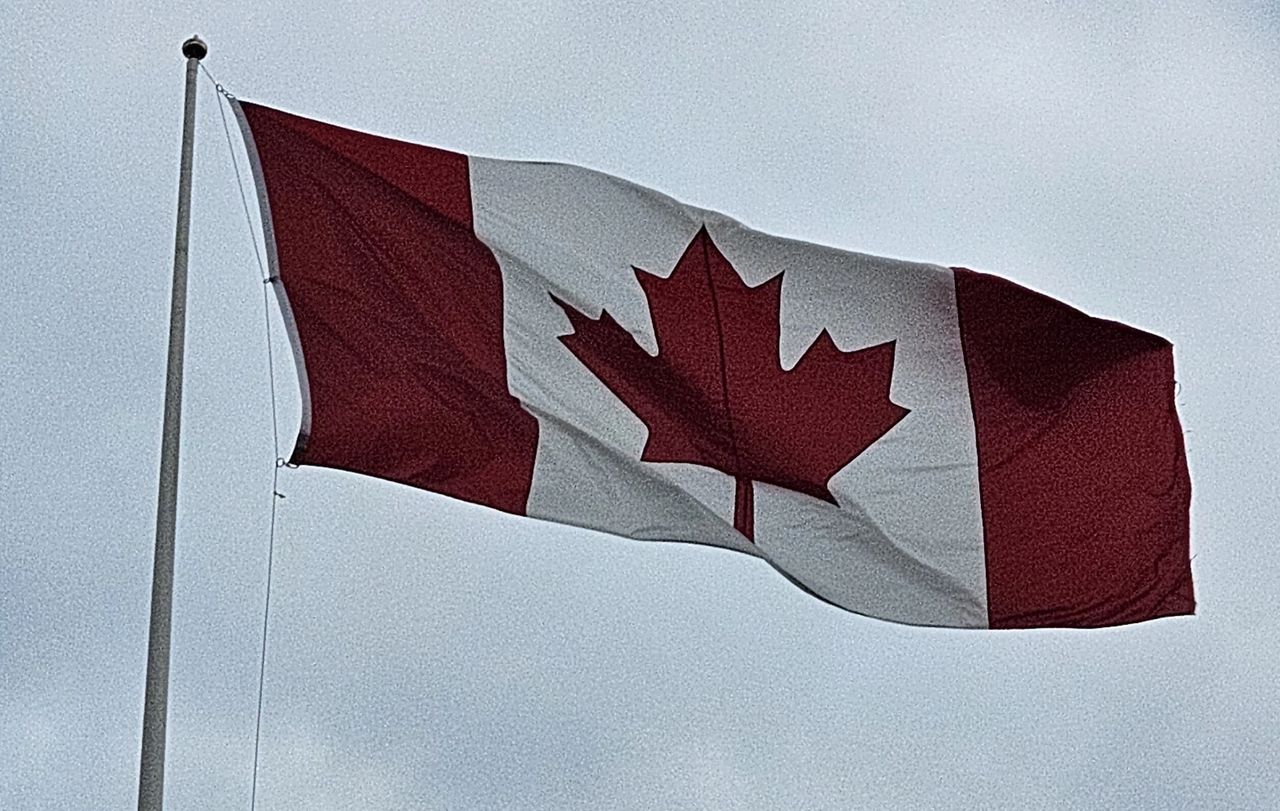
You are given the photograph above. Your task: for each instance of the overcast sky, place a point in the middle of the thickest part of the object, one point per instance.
(429, 654)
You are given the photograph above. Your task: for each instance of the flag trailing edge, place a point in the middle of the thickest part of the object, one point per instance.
(926, 445)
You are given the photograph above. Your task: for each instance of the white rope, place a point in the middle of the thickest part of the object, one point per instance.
(280, 462)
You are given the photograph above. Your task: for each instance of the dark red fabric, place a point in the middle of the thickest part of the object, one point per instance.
(1083, 476)
(398, 309)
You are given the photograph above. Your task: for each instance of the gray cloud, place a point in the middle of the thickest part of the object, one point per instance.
(426, 654)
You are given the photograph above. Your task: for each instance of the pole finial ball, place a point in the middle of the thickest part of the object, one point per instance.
(194, 48)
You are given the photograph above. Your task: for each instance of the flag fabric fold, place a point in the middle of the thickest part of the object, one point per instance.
(917, 443)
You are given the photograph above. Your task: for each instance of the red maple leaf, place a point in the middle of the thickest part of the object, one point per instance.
(716, 393)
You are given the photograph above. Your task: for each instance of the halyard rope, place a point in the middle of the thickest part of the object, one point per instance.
(267, 280)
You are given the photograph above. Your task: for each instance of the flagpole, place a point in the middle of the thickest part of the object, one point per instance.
(155, 712)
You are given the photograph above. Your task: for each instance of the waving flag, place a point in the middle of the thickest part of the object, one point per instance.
(922, 444)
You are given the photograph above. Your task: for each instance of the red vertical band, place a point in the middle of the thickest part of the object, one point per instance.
(1083, 476)
(398, 310)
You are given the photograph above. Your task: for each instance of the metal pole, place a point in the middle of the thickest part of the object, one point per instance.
(151, 772)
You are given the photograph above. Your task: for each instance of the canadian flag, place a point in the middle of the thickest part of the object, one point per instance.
(918, 443)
